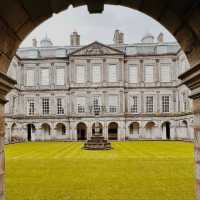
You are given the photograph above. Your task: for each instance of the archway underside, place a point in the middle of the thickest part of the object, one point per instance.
(182, 20)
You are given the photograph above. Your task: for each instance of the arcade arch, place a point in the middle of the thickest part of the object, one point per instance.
(113, 131)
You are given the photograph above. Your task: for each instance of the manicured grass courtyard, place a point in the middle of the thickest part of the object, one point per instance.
(131, 171)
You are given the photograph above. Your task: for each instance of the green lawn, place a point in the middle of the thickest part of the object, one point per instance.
(131, 171)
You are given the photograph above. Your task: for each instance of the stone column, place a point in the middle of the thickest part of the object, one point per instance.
(192, 79)
(6, 84)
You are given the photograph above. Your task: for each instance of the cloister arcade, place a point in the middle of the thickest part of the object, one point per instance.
(83, 130)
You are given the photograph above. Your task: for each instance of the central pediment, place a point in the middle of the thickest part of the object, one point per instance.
(96, 48)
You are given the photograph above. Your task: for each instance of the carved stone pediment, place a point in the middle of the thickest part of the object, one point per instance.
(96, 49)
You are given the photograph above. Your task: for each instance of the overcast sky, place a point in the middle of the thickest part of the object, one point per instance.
(98, 27)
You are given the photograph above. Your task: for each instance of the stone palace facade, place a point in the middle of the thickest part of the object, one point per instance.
(134, 87)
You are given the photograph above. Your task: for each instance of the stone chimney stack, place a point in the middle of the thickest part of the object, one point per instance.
(160, 38)
(75, 39)
(118, 38)
(34, 42)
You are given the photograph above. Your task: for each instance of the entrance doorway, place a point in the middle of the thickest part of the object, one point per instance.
(81, 131)
(166, 130)
(30, 131)
(113, 131)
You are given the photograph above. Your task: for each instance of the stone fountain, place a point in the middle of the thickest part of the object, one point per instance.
(97, 141)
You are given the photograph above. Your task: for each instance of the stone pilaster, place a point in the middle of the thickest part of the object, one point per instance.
(141, 72)
(37, 76)
(88, 72)
(52, 75)
(196, 125)
(6, 84)
(104, 71)
(120, 70)
(158, 101)
(192, 79)
(157, 71)
(126, 102)
(142, 101)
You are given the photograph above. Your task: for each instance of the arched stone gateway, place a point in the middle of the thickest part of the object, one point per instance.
(166, 130)
(182, 20)
(81, 131)
(30, 131)
(113, 131)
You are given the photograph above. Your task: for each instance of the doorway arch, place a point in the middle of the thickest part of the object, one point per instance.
(134, 128)
(81, 131)
(46, 129)
(60, 129)
(30, 130)
(166, 130)
(113, 131)
(150, 129)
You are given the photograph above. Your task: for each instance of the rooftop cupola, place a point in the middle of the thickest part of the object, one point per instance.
(46, 42)
(148, 38)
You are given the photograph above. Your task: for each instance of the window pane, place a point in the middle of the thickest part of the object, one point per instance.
(29, 78)
(112, 73)
(80, 74)
(165, 73)
(81, 104)
(113, 103)
(45, 76)
(133, 104)
(60, 107)
(165, 103)
(60, 76)
(45, 106)
(30, 107)
(148, 74)
(96, 73)
(133, 74)
(149, 104)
